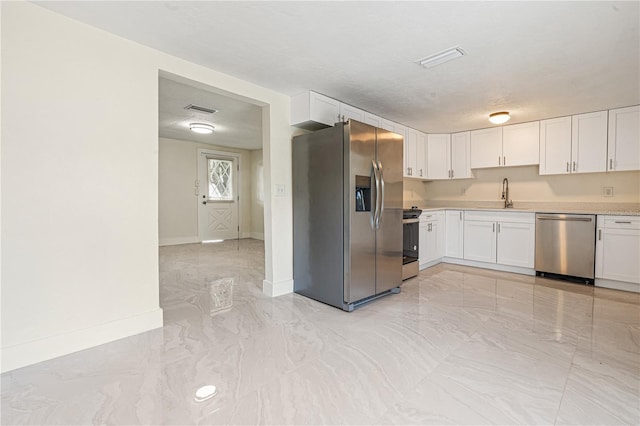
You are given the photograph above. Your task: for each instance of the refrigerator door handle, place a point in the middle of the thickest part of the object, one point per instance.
(381, 210)
(376, 208)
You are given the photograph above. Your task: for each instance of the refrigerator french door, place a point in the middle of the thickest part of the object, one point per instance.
(347, 203)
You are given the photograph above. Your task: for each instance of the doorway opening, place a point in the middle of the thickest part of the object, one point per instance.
(209, 190)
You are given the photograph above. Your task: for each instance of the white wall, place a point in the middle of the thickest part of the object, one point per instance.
(80, 183)
(257, 195)
(525, 184)
(178, 205)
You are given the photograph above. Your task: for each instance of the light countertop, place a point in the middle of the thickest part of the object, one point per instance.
(618, 209)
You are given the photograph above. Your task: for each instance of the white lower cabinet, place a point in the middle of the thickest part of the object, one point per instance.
(480, 240)
(431, 238)
(618, 252)
(454, 234)
(504, 238)
(516, 244)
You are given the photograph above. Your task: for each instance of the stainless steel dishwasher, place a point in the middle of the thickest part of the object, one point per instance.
(565, 246)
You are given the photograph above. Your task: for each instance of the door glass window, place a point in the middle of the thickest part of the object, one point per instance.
(220, 173)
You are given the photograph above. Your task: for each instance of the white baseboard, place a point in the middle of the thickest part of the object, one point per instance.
(430, 264)
(179, 240)
(24, 354)
(257, 236)
(277, 289)
(492, 266)
(617, 285)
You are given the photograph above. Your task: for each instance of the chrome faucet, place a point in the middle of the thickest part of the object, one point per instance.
(505, 194)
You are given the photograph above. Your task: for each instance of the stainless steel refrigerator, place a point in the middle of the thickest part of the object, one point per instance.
(347, 214)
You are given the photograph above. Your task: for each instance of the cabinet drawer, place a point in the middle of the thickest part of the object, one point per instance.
(500, 216)
(621, 222)
(432, 216)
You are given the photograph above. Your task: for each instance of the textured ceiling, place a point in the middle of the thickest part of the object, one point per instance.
(535, 59)
(237, 123)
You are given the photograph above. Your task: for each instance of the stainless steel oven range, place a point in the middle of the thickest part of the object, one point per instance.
(410, 243)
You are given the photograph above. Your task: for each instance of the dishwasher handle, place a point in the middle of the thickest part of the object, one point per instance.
(568, 219)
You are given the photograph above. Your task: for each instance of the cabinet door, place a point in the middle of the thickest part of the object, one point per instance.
(423, 241)
(387, 125)
(516, 244)
(555, 146)
(438, 156)
(431, 249)
(439, 229)
(372, 119)
(521, 144)
(313, 111)
(624, 139)
(323, 109)
(486, 148)
(589, 142)
(617, 254)
(461, 155)
(421, 155)
(348, 112)
(480, 241)
(454, 233)
(410, 154)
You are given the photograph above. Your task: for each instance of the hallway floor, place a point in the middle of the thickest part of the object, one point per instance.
(458, 345)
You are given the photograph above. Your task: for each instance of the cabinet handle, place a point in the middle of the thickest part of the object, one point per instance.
(451, 174)
(621, 221)
(420, 172)
(574, 166)
(498, 160)
(498, 227)
(599, 234)
(494, 228)
(610, 163)
(460, 215)
(342, 117)
(504, 161)
(567, 167)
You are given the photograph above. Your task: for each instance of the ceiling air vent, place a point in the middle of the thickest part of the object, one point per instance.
(197, 108)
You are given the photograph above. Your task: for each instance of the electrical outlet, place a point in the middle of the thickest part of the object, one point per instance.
(607, 191)
(281, 190)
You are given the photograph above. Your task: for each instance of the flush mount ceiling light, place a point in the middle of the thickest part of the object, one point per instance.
(441, 58)
(202, 128)
(499, 117)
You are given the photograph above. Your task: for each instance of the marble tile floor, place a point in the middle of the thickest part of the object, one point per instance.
(457, 346)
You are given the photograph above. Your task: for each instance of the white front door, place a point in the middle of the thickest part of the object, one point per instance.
(218, 195)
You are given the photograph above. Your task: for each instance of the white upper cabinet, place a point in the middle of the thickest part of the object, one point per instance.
(516, 145)
(461, 155)
(410, 158)
(448, 156)
(416, 154)
(371, 119)
(624, 139)
(589, 142)
(421, 155)
(348, 112)
(521, 144)
(438, 156)
(555, 146)
(486, 148)
(313, 111)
